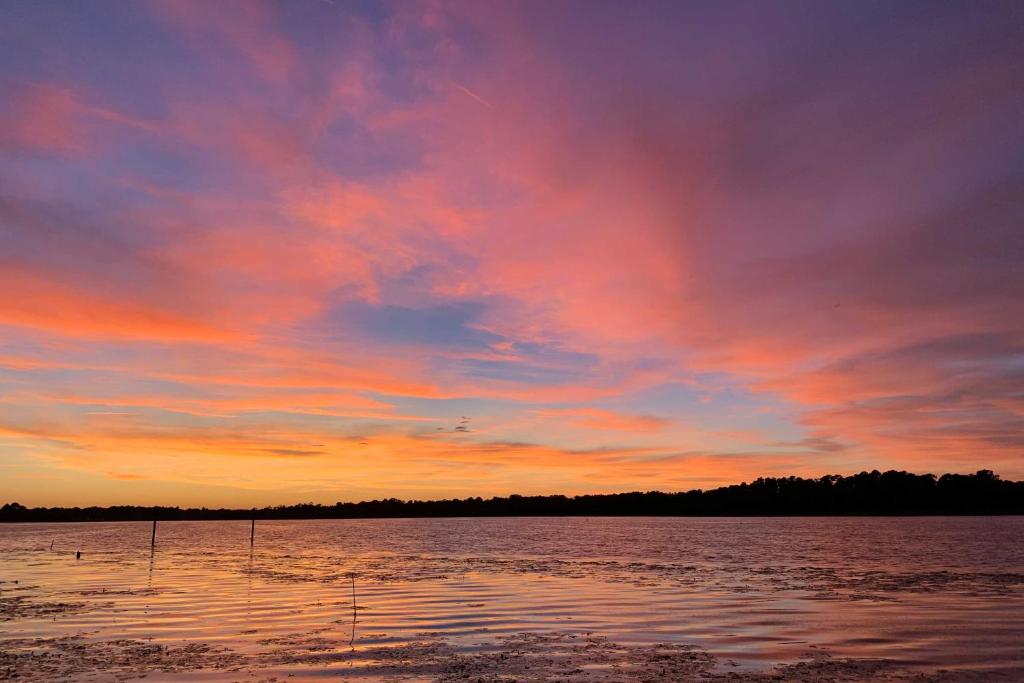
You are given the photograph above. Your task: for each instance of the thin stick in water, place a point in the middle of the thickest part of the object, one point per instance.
(252, 533)
(152, 540)
(353, 638)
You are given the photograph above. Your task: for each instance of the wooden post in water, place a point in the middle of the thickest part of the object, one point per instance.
(252, 533)
(352, 640)
(152, 540)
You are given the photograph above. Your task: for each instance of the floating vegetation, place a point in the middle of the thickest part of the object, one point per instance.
(822, 582)
(491, 601)
(71, 657)
(24, 607)
(526, 658)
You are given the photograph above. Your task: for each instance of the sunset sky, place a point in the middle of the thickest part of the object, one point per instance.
(321, 250)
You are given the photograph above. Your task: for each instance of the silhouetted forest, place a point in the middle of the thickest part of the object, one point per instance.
(867, 493)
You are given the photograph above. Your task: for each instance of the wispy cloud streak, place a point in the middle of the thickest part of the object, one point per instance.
(633, 247)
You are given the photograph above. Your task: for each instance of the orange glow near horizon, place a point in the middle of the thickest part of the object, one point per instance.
(297, 252)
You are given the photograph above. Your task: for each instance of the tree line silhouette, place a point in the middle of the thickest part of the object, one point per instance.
(867, 493)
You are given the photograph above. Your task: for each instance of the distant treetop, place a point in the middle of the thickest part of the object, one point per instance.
(867, 493)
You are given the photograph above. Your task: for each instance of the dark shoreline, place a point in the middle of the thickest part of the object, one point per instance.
(868, 494)
(248, 517)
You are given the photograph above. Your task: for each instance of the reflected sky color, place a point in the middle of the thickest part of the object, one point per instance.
(911, 594)
(262, 253)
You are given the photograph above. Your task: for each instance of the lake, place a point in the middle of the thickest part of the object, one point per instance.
(598, 599)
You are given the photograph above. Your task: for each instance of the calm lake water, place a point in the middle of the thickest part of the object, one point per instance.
(704, 599)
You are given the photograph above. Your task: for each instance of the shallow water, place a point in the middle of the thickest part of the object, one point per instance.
(527, 599)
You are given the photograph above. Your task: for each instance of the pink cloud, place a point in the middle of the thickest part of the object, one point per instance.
(843, 247)
(596, 418)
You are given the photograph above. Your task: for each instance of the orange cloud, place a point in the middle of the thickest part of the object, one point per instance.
(838, 280)
(595, 418)
(33, 301)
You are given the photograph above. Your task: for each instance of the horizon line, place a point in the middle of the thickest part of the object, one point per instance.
(987, 476)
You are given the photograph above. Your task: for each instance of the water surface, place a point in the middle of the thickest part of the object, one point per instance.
(706, 599)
